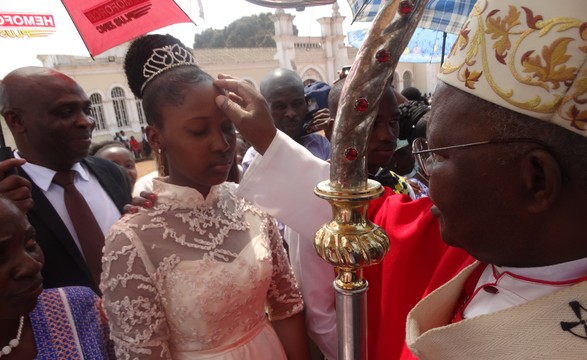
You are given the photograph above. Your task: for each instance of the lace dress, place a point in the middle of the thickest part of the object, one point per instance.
(197, 278)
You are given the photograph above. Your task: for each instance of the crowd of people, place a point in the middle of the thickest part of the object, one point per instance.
(213, 258)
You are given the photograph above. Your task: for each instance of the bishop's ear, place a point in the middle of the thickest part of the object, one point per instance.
(542, 179)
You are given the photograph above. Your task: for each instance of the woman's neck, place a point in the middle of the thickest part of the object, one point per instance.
(8, 329)
(204, 190)
(27, 348)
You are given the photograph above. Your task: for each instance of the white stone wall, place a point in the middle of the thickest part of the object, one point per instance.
(319, 58)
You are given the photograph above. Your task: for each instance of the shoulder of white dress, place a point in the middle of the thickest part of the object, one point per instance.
(246, 205)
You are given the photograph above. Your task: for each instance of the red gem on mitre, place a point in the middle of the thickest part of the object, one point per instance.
(351, 154)
(405, 7)
(361, 105)
(382, 56)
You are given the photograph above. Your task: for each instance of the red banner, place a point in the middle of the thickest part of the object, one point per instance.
(105, 24)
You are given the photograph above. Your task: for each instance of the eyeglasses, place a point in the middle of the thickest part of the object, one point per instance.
(423, 153)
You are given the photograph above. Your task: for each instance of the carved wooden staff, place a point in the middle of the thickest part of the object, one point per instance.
(350, 241)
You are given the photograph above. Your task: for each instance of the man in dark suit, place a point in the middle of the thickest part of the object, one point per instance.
(48, 114)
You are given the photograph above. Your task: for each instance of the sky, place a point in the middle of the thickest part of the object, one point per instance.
(217, 15)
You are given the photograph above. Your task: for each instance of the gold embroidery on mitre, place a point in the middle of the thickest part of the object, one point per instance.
(577, 94)
(500, 29)
(524, 58)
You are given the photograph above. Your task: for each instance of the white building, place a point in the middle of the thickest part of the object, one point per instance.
(319, 58)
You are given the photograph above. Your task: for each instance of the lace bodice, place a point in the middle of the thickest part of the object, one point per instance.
(194, 274)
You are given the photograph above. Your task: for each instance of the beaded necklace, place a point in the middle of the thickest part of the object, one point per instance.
(14, 342)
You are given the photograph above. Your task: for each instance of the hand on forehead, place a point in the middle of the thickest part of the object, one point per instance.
(248, 110)
(242, 88)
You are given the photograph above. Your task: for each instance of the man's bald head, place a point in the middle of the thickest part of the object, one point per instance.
(278, 78)
(48, 114)
(283, 90)
(18, 85)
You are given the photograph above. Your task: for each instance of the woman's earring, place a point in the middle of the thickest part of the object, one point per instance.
(160, 158)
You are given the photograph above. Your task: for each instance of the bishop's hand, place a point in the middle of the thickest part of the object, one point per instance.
(248, 110)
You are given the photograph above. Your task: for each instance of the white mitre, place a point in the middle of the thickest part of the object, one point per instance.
(525, 55)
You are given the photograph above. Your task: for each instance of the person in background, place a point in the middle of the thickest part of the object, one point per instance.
(413, 94)
(48, 114)
(316, 95)
(135, 148)
(209, 267)
(117, 137)
(145, 144)
(382, 140)
(59, 323)
(403, 161)
(413, 122)
(507, 173)
(118, 154)
(124, 139)
(283, 90)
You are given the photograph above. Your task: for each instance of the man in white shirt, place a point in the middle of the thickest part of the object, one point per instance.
(49, 117)
(283, 90)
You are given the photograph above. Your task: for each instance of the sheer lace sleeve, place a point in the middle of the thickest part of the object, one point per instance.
(132, 304)
(284, 298)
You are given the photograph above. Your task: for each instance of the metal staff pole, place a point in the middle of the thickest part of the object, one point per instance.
(350, 241)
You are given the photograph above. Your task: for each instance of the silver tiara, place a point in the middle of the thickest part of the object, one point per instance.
(166, 58)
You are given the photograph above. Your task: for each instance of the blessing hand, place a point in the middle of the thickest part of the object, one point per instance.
(248, 110)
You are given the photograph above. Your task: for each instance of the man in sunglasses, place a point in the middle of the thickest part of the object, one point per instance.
(505, 156)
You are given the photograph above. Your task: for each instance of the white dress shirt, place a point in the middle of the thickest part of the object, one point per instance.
(87, 184)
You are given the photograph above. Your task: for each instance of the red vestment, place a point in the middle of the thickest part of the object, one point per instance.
(418, 262)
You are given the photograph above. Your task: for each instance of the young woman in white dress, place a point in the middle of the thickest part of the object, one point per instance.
(202, 274)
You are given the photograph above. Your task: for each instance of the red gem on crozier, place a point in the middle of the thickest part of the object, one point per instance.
(361, 105)
(351, 154)
(405, 7)
(382, 55)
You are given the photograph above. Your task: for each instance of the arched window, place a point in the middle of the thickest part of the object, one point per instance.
(97, 111)
(118, 100)
(311, 74)
(140, 111)
(407, 79)
(395, 81)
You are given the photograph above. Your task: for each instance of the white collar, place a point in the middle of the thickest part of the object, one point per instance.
(43, 176)
(499, 288)
(563, 272)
